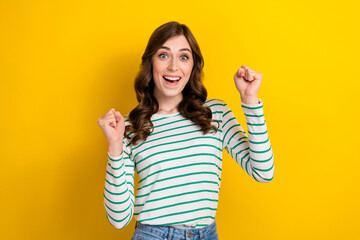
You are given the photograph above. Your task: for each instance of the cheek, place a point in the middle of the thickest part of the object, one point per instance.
(188, 69)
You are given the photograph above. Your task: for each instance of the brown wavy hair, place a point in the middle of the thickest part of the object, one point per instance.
(194, 93)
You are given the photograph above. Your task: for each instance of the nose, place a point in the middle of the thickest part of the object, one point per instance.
(173, 64)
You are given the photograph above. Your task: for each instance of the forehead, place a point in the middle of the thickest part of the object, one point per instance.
(177, 43)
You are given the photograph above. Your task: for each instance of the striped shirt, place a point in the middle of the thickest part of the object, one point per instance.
(179, 167)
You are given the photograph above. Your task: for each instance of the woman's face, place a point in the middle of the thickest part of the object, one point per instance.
(172, 65)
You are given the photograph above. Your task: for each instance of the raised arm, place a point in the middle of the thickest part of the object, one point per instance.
(254, 153)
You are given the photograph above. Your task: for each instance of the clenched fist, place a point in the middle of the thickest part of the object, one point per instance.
(113, 126)
(247, 82)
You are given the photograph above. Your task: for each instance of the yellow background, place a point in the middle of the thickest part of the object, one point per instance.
(63, 64)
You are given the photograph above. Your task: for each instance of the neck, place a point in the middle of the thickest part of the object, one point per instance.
(168, 105)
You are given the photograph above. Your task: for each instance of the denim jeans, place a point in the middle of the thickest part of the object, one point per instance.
(159, 232)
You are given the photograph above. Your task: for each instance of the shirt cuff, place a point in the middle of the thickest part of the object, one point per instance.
(260, 103)
(115, 157)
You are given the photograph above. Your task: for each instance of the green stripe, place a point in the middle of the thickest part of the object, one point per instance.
(114, 175)
(236, 125)
(263, 170)
(170, 159)
(113, 184)
(217, 112)
(246, 163)
(129, 217)
(216, 104)
(114, 160)
(229, 121)
(226, 113)
(172, 122)
(130, 175)
(148, 141)
(249, 115)
(170, 129)
(254, 177)
(119, 185)
(176, 195)
(183, 133)
(122, 164)
(176, 204)
(115, 220)
(200, 137)
(112, 193)
(210, 100)
(177, 149)
(121, 211)
(266, 179)
(259, 142)
(236, 156)
(175, 186)
(177, 167)
(154, 120)
(179, 213)
(178, 176)
(242, 158)
(261, 151)
(234, 147)
(235, 135)
(175, 128)
(117, 202)
(255, 160)
(259, 133)
(132, 187)
(114, 168)
(256, 124)
(252, 107)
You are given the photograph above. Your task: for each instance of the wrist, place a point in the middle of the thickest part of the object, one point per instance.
(250, 100)
(115, 149)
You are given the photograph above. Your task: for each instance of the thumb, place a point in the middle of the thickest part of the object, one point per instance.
(119, 121)
(240, 73)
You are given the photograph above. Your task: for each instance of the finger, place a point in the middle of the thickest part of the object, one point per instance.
(248, 69)
(251, 71)
(248, 76)
(258, 76)
(112, 110)
(118, 116)
(110, 121)
(241, 72)
(117, 113)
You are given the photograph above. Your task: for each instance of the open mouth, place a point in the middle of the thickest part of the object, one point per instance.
(172, 80)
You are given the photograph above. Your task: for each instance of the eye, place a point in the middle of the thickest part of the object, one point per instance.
(184, 57)
(162, 55)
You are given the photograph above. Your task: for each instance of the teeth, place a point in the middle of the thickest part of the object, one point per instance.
(172, 79)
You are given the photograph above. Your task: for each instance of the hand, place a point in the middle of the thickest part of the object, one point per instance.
(113, 125)
(248, 82)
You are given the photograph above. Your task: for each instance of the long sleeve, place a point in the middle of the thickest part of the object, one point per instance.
(119, 188)
(254, 153)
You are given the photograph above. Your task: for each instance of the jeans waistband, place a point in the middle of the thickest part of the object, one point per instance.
(164, 231)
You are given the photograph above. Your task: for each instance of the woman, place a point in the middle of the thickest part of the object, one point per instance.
(174, 139)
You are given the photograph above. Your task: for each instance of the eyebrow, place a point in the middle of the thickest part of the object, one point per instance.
(183, 49)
